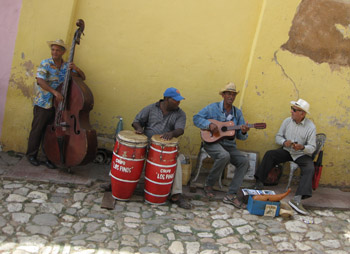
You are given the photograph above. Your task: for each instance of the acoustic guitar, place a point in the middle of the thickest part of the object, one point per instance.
(226, 129)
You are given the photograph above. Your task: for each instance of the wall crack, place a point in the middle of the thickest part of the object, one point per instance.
(285, 74)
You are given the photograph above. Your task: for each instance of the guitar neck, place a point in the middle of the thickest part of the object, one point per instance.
(238, 127)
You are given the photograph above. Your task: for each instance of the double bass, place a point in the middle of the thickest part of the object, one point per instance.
(70, 140)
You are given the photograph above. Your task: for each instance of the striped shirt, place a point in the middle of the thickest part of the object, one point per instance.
(154, 122)
(304, 133)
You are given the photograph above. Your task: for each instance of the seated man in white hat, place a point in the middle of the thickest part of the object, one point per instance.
(50, 74)
(297, 138)
(224, 150)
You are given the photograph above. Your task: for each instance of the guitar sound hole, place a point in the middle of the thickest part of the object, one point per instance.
(224, 128)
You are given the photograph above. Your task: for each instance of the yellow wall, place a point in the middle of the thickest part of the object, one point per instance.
(278, 76)
(141, 49)
(133, 50)
(37, 24)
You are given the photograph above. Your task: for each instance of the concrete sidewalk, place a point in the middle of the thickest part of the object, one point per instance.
(14, 166)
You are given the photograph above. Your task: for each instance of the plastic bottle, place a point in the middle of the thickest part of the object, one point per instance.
(119, 126)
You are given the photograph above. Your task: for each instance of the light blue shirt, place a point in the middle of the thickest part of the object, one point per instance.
(216, 111)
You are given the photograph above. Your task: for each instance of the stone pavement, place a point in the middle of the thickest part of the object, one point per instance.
(58, 215)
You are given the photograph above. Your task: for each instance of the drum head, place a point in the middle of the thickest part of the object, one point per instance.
(130, 137)
(156, 139)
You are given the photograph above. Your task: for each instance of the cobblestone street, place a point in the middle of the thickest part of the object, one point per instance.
(52, 218)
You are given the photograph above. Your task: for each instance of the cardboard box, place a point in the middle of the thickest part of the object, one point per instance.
(186, 172)
(253, 158)
(258, 207)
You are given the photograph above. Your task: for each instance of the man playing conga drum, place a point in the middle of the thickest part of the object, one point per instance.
(167, 119)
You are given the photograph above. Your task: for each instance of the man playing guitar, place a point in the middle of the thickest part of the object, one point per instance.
(224, 150)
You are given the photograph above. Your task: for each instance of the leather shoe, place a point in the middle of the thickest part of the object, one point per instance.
(106, 186)
(33, 161)
(49, 164)
(257, 186)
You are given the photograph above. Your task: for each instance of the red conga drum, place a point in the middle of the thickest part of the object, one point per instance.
(160, 169)
(127, 163)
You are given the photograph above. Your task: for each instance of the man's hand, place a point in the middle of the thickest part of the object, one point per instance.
(58, 96)
(245, 128)
(139, 131)
(167, 135)
(297, 146)
(72, 66)
(213, 128)
(137, 127)
(287, 143)
(80, 73)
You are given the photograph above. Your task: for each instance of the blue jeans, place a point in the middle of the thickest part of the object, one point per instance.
(222, 155)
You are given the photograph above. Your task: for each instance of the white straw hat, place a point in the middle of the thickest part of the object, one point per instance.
(58, 42)
(302, 104)
(230, 87)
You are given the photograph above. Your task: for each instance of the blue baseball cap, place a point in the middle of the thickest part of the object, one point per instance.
(173, 93)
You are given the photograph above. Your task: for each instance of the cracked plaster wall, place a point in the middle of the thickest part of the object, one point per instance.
(303, 53)
(321, 31)
(131, 55)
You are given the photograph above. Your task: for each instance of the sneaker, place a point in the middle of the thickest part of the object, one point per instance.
(298, 207)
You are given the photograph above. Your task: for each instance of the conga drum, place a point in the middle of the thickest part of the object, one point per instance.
(160, 169)
(128, 159)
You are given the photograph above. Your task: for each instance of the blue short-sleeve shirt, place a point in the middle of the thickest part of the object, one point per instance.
(49, 72)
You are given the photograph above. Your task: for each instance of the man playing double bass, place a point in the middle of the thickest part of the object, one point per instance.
(50, 74)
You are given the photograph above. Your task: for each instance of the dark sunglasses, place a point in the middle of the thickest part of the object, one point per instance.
(295, 110)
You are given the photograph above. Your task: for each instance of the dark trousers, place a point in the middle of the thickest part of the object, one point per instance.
(42, 117)
(222, 155)
(305, 162)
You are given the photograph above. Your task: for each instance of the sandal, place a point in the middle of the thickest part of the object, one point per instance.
(208, 191)
(181, 202)
(234, 201)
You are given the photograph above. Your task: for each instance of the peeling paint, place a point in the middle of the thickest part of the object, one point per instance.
(345, 31)
(338, 123)
(344, 106)
(29, 67)
(257, 92)
(19, 83)
(317, 32)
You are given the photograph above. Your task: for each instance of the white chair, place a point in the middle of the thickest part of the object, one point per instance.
(320, 140)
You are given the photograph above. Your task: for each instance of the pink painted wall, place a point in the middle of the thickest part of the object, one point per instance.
(9, 17)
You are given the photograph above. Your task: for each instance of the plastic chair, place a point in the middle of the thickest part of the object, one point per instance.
(320, 140)
(202, 155)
